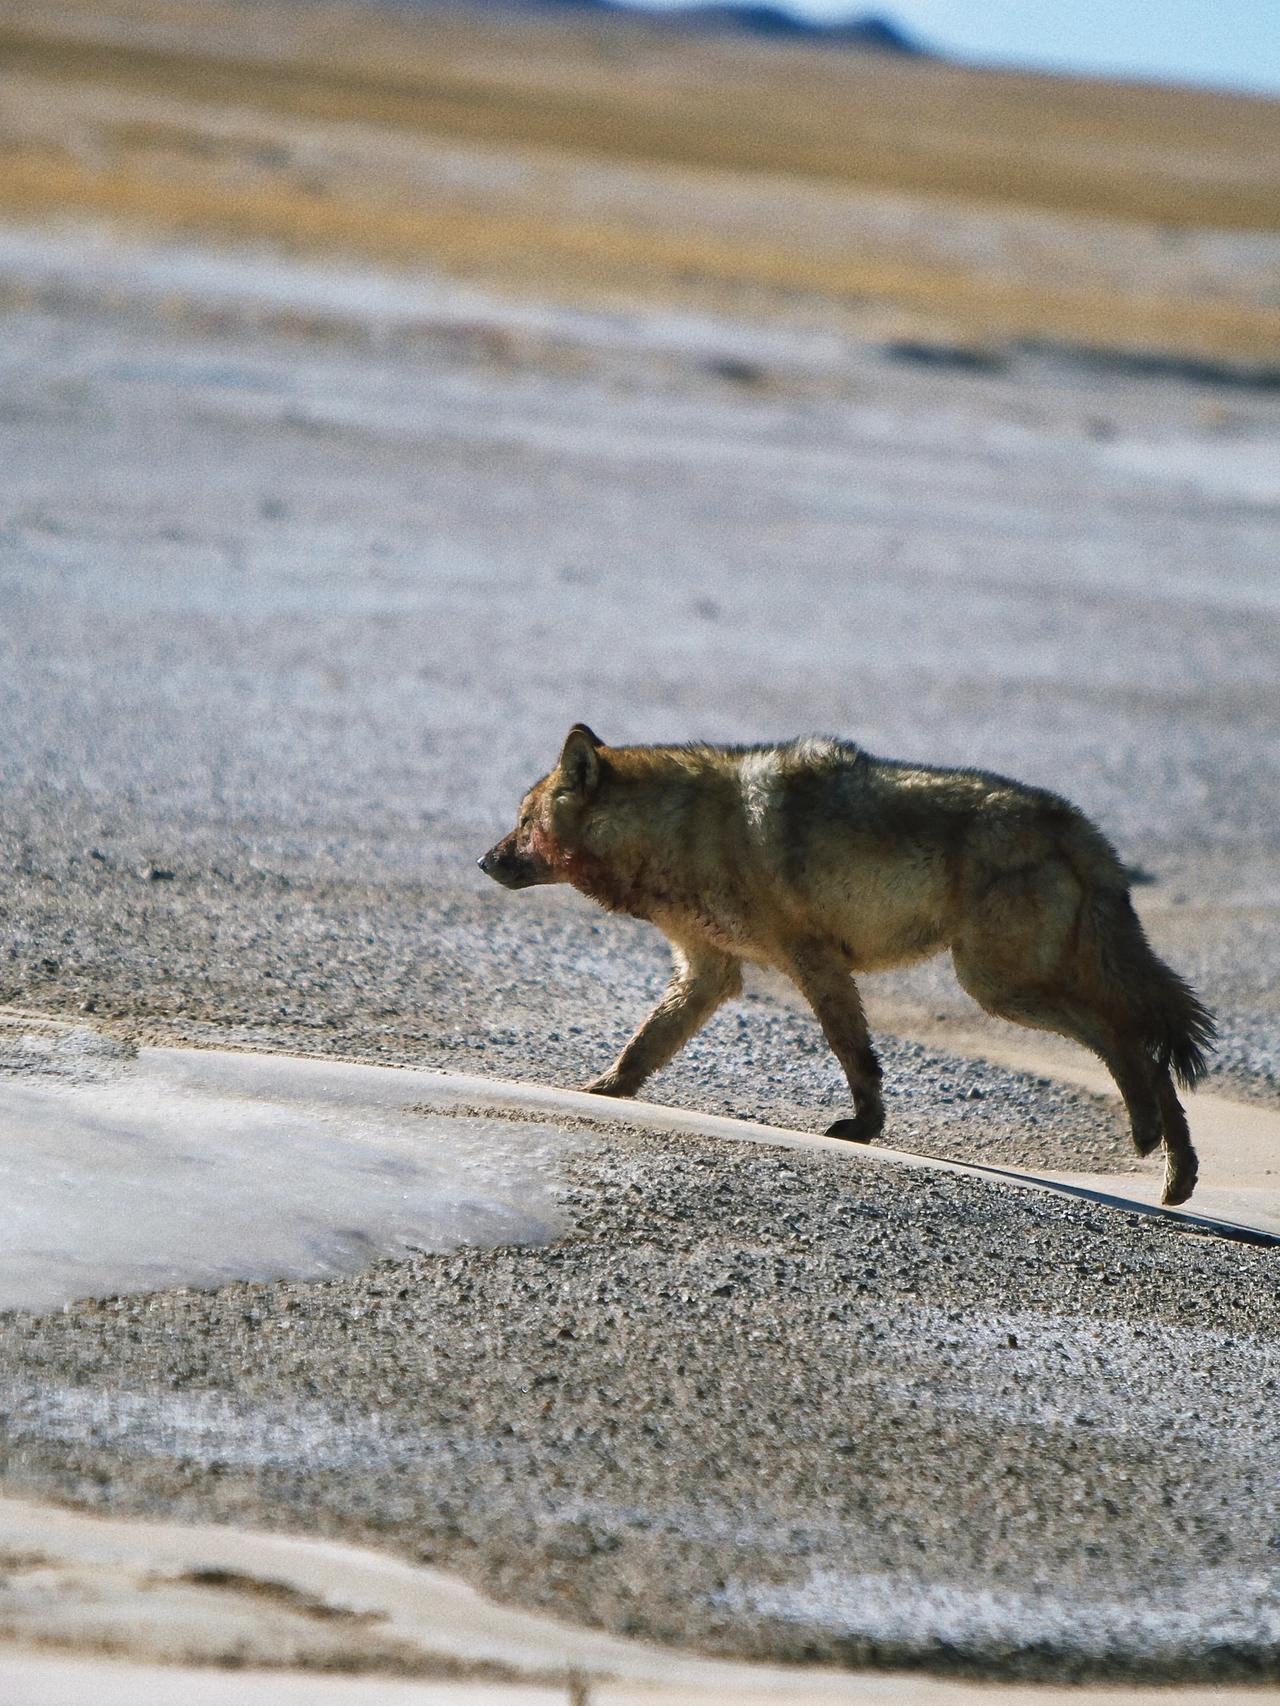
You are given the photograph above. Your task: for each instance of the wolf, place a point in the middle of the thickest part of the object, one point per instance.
(820, 860)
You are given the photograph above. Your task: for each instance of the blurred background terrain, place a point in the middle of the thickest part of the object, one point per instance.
(579, 152)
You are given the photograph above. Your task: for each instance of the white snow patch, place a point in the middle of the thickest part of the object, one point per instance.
(204, 1428)
(1029, 1368)
(187, 1167)
(1216, 1606)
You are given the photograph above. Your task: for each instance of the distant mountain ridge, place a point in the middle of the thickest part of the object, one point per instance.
(870, 30)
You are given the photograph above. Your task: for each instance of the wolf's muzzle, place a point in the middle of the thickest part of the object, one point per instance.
(510, 869)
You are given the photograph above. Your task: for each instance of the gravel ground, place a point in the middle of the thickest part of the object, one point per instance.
(756, 1402)
(291, 619)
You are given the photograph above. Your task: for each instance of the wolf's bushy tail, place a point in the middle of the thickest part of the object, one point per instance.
(1175, 1027)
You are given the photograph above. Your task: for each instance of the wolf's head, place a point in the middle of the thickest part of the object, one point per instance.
(549, 818)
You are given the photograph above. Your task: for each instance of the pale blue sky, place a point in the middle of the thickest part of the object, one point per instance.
(1231, 43)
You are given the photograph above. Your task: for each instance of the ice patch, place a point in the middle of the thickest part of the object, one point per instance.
(1062, 1371)
(1217, 1607)
(185, 1167)
(205, 1428)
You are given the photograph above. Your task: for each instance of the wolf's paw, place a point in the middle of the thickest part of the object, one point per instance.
(606, 1085)
(1180, 1175)
(862, 1128)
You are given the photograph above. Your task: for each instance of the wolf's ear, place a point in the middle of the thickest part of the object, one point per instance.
(580, 760)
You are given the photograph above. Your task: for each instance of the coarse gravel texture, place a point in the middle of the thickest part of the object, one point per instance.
(774, 1404)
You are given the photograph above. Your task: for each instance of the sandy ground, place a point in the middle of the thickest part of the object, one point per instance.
(298, 599)
(200, 1589)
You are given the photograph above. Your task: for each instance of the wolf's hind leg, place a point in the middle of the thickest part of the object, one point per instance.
(703, 978)
(824, 981)
(1181, 1168)
(1150, 1101)
(1153, 1109)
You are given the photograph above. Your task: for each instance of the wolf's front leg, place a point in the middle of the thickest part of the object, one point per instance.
(824, 981)
(702, 979)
